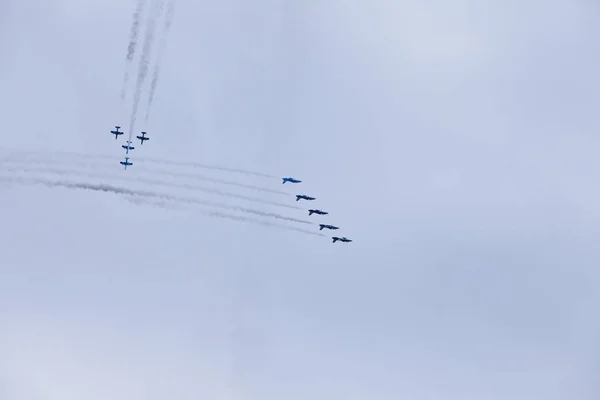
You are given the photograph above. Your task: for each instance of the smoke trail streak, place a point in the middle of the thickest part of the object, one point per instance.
(213, 191)
(29, 161)
(203, 202)
(26, 155)
(161, 50)
(198, 165)
(146, 195)
(264, 223)
(68, 172)
(137, 200)
(144, 62)
(135, 27)
(209, 179)
(133, 39)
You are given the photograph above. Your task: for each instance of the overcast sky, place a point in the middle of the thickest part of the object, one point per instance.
(455, 142)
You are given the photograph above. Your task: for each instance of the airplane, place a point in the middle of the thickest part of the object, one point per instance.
(116, 132)
(291, 180)
(303, 196)
(341, 239)
(321, 226)
(143, 137)
(128, 147)
(311, 212)
(126, 163)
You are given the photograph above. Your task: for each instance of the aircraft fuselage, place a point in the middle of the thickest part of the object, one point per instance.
(319, 212)
(304, 197)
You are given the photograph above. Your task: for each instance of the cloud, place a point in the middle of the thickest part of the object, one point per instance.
(62, 358)
(456, 143)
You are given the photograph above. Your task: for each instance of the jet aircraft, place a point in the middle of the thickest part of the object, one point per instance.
(116, 132)
(303, 196)
(321, 226)
(291, 180)
(143, 137)
(128, 147)
(311, 212)
(126, 163)
(341, 239)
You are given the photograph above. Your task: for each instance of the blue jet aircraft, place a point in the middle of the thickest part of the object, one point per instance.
(341, 239)
(128, 147)
(116, 132)
(311, 212)
(143, 137)
(303, 196)
(291, 180)
(126, 163)
(321, 226)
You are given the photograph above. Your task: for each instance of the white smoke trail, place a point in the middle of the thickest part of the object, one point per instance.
(161, 50)
(148, 194)
(44, 168)
(192, 200)
(158, 5)
(59, 155)
(133, 40)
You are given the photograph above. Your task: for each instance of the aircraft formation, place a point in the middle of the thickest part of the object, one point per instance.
(128, 144)
(311, 211)
(151, 11)
(217, 194)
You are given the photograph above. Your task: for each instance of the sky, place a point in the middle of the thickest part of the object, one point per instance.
(454, 142)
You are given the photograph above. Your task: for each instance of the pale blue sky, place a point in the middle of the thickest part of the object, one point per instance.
(456, 142)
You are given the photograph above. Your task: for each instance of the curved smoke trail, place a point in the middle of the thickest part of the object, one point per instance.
(55, 155)
(156, 196)
(127, 178)
(214, 167)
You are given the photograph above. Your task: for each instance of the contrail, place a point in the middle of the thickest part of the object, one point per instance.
(213, 191)
(202, 202)
(27, 160)
(161, 50)
(144, 62)
(133, 39)
(26, 155)
(264, 223)
(139, 200)
(125, 177)
(134, 193)
(214, 180)
(213, 167)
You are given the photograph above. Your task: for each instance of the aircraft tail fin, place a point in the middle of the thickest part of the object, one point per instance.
(310, 212)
